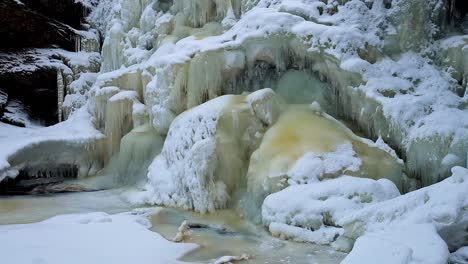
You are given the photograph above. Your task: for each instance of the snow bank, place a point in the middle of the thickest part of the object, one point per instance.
(15, 142)
(442, 204)
(409, 226)
(89, 238)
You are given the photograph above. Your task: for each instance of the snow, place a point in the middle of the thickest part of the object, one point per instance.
(442, 204)
(321, 236)
(89, 238)
(32, 59)
(412, 244)
(319, 206)
(406, 229)
(311, 167)
(78, 129)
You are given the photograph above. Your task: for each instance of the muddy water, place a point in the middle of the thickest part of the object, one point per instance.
(25, 209)
(227, 234)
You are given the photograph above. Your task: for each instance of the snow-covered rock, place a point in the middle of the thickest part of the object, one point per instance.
(303, 147)
(317, 207)
(417, 219)
(442, 204)
(44, 149)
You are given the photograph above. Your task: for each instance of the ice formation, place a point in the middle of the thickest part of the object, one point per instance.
(303, 147)
(207, 149)
(181, 108)
(460, 256)
(191, 51)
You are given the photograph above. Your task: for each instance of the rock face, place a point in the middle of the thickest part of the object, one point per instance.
(34, 90)
(457, 10)
(36, 68)
(23, 26)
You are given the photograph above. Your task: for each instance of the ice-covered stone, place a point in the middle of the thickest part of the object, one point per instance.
(205, 155)
(319, 206)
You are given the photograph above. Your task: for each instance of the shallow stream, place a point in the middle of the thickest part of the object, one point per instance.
(219, 234)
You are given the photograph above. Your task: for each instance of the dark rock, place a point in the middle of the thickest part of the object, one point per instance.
(69, 12)
(31, 79)
(22, 27)
(16, 114)
(3, 101)
(43, 181)
(456, 11)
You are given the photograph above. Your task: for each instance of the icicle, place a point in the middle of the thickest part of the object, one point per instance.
(204, 78)
(119, 121)
(77, 39)
(60, 94)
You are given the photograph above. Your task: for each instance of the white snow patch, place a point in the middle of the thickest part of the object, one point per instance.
(412, 244)
(89, 238)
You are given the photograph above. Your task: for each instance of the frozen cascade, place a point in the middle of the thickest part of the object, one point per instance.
(205, 155)
(269, 58)
(181, 98)
(118, 120)
(137, 149)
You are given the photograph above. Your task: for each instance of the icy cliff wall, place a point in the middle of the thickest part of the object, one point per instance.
(396, 69)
